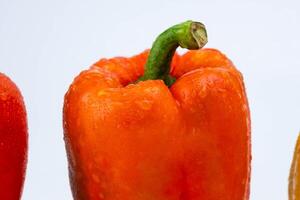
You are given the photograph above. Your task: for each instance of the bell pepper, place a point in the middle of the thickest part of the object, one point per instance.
(13, 140)
(294, 180)
(160, 126)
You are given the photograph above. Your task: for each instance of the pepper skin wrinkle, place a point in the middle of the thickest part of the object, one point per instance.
(131, 137)
(13, 140)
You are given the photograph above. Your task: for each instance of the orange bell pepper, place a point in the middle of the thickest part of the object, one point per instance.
(13, 140)
(131, 137)
(294, 180)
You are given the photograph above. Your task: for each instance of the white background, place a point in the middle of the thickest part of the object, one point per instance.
(45, 44)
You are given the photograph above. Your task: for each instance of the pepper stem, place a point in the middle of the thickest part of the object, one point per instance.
(189, 35)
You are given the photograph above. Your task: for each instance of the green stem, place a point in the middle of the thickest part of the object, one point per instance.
(189, 34)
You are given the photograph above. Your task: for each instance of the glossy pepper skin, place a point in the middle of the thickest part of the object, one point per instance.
(131, 138)
(13, 140)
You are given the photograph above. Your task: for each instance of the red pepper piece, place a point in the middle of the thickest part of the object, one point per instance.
(13, 140)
